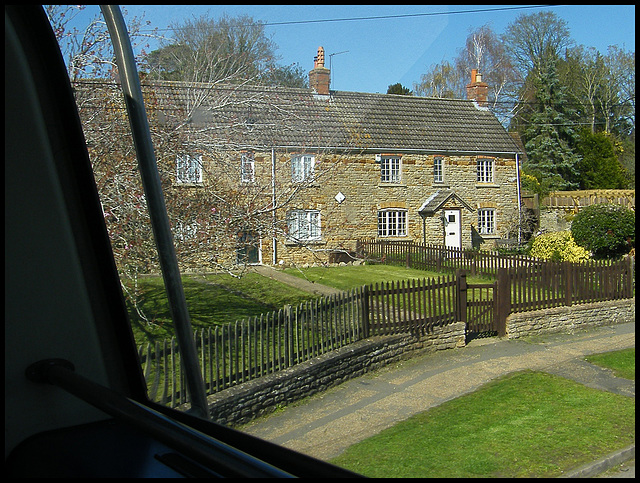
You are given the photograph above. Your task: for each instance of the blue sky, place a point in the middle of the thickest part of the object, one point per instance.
(372, 53)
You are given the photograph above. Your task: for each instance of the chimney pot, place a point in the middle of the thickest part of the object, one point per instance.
(477, 90)
(320, 76)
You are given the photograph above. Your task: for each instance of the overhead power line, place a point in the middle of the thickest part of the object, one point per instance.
(389, 17)
(386, 17)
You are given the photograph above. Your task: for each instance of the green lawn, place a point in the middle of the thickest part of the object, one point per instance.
(211, 300)
(528, 424)
(623, 363)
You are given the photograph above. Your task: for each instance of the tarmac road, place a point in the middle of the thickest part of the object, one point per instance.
(326, 424)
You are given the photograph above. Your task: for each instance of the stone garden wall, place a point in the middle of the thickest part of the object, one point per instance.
(242, 403)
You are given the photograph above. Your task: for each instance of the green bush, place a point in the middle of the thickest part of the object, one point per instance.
(606, 230)
(558, 246)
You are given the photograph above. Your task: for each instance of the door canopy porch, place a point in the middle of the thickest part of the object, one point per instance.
(438, 200)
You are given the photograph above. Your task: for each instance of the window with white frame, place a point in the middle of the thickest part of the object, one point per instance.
(390, 169)
(487, 221)
(392, 223)
(438, 170)
(484, 170)
(189, 169)
(248, 168)
(185, 231)
(304, 225)
(302, 167)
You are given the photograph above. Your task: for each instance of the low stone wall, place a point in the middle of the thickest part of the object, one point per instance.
(242, 403)
(568, 319)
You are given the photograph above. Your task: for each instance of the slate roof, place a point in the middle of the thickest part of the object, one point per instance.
(255, 118)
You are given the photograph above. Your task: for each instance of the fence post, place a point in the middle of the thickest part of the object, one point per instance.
(568, 283)
(365, 311)
(503, 295)
(461, 289)
(288, 335)
(629, 269)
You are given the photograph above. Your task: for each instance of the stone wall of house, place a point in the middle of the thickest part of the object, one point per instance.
(567, 319)
(244, 402)
(357, 178)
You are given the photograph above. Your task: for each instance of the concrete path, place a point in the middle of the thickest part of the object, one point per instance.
(301, 283)
(326, 424)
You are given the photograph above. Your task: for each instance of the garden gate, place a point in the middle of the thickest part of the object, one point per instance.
(480, 306)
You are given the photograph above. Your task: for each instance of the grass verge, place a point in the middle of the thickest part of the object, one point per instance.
(623, 362)
(528, 424)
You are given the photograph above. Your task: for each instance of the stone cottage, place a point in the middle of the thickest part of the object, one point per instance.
(311, 171)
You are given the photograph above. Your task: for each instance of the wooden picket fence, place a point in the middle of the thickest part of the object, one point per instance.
(238, 352)
(425, 256)
(245, 350)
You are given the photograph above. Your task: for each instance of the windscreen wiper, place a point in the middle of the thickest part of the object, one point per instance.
(156, 205)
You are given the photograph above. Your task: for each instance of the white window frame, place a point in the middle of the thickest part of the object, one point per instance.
(304, 225)
(302, 167)
(391, 169)
(185, 231)
(189, 169)
(484, 170)
(438, 169)
(247, 168)
(487, 221)
(392, 222)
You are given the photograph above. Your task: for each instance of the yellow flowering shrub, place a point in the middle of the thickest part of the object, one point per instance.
(558, 246)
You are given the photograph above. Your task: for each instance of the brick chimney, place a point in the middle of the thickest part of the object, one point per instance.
(320, 76)
(477, 90)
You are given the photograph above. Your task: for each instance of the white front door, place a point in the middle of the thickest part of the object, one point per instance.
(452, 229)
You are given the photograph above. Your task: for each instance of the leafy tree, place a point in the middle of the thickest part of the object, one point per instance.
(617, 95)
(286, 76)
(599, 167)
(607, 230)
(584, 74)
(399, 89)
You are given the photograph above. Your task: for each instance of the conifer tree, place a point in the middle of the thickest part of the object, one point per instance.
(549, 136)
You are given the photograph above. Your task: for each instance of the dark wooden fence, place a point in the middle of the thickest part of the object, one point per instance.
(244, 350)
(439, 258)
(238, 352)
